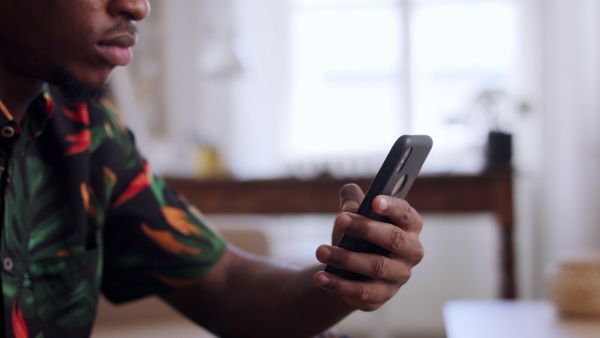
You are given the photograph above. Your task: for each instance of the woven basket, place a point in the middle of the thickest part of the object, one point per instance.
(573, 285)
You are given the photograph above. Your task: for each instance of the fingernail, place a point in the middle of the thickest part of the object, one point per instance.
(344, 221)
(322, 279)
(323, 253)
(383, 203)
(349, 206)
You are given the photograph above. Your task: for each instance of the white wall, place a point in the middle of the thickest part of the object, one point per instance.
(557, 144)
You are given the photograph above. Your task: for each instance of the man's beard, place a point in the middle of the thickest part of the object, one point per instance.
(74, 91)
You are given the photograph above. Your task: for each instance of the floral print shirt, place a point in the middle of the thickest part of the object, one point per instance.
(81, 214)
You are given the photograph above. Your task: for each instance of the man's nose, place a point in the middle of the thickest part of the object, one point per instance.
(134, 9)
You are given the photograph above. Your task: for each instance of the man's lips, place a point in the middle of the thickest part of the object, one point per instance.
(117, 50)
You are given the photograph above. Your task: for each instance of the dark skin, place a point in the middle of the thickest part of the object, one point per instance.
(243, 295)
(288, 300)
(37, 36)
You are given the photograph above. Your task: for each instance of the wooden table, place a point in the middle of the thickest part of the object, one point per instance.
(490, 190)
(514, 319)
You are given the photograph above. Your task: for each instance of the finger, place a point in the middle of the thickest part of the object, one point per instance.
(402, 244)
(350, 197)
(399, 212)
(371, 265)
(366, 296)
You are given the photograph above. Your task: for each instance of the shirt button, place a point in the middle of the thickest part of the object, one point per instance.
(7, 131)
(7, 263)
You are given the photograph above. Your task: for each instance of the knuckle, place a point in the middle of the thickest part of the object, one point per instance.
(406, 212)
(397, 239)
(405, 276)
(363, 293)
(380, 267)
(419, 254)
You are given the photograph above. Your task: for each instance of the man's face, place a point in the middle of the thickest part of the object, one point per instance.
(81, 39)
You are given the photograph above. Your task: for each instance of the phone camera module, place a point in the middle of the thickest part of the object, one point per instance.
(398, 185)
(402, 160)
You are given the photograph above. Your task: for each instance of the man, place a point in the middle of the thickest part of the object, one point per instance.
(81, 211)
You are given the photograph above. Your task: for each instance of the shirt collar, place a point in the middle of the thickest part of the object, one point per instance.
(43, 105)
(42, 108)
(6, 116)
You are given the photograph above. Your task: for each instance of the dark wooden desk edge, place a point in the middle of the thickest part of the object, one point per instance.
(487, 191)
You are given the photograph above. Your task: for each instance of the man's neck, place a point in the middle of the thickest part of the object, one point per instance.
(17, 93)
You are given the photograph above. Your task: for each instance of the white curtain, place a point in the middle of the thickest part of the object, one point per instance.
(558, 145)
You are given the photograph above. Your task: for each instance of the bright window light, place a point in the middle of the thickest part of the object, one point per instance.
(351, 96)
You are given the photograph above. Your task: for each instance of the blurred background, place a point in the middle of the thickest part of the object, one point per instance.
(269, 89)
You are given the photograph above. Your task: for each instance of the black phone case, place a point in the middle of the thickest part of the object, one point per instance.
(395, 177)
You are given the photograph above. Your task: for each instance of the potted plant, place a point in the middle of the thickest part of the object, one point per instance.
(493, 105)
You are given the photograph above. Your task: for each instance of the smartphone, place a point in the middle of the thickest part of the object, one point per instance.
(395, 177)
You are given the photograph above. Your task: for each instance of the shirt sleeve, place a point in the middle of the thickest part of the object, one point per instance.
(154, 239)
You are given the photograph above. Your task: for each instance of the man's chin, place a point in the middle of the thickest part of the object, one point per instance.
(74, 91)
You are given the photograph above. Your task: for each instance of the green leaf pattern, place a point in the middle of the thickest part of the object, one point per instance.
(65, 238)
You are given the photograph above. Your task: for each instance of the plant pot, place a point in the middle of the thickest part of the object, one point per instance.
(499, 148)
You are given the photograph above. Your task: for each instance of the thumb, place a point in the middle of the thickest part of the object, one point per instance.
(351, 195)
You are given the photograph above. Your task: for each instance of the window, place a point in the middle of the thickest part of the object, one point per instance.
(365, 71)
(346, 83)
(461, 51)
(306, 87)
